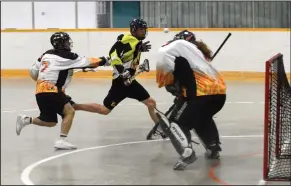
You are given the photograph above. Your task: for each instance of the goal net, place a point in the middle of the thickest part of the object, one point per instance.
(277, 131)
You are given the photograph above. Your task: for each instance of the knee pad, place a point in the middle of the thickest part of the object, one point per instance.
(174, 132)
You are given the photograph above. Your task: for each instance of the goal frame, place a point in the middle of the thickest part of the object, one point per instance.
(266, 121)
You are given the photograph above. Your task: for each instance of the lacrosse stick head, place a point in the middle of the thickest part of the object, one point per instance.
(145, 66)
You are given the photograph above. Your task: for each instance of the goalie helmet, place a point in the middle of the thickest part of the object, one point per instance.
(61, 41)
(186, 35)
(136, 25)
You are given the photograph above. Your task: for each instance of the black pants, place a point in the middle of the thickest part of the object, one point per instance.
(198, 114)
(119, 91)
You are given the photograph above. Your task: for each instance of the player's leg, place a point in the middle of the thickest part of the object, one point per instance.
(65, 109)
(184, 117)
(138, 92)
(217, 102)
(208, 134)
(171, 113)
(114, 96)
(181, 141)
(178, 130)
(180, 105)
(92, 107)
(68, 116)
(206, 128)
(47, 118)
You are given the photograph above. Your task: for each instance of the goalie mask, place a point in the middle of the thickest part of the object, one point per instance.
(186, 35)
(61, 41)
(139, 28)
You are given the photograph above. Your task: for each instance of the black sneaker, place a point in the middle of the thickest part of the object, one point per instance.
(213, 151)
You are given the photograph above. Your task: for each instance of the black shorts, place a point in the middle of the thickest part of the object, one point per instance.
(51, 104)
(119, 92)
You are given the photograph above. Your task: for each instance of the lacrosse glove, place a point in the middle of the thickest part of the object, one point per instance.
(145, 47)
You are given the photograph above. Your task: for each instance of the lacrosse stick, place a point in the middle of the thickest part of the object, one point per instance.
(86, 70)
(144, 67)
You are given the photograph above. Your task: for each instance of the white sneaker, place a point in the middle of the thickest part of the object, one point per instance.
(62, 144)
(20, 123)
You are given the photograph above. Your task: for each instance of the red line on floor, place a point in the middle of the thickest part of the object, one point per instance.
(212, 175)
(211, 172)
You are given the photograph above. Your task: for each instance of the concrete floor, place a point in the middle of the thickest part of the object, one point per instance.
(105, 153)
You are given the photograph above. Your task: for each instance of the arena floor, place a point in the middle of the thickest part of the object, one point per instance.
(112, 149)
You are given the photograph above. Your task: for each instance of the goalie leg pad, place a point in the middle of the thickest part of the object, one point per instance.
(180, 106)
(174, 132)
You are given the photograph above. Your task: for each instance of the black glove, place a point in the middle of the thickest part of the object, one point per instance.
(105, 61)
(145, 47)
(174, 89)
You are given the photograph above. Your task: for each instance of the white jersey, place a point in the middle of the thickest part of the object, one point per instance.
(55, 69)
(208, 79)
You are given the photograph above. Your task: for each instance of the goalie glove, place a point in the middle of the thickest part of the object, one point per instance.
(174, 89)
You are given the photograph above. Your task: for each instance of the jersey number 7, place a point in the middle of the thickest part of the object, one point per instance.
(44, 66)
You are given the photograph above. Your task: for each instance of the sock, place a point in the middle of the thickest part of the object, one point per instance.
(63, 136)
(28, 120)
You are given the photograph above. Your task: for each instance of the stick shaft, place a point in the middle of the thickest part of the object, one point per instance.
(221, 45)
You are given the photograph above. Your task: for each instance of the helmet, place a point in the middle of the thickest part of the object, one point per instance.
(61, 40)
(135, 24)
(186, 35)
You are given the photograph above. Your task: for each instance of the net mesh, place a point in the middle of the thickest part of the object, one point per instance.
(278, 117)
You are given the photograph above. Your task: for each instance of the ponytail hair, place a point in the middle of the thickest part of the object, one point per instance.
(204, 49)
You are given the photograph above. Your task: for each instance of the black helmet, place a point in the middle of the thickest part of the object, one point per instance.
(138, 23)
(61, 40)
(186, 35)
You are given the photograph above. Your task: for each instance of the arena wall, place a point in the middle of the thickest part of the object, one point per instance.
(242, 57)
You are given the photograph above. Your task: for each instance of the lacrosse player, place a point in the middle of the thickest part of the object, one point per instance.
(183, 68)
(53, 73)
(125, 58)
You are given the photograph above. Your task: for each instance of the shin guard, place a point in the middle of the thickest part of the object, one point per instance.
(174, 132)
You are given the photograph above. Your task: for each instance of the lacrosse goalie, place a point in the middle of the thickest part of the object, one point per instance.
(183, 68)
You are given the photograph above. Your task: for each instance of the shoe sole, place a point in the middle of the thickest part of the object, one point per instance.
(211, 157)
(72, 148)
(18, 125)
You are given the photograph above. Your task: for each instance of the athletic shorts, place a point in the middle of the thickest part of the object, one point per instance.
(119, 92)
(51, 104)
